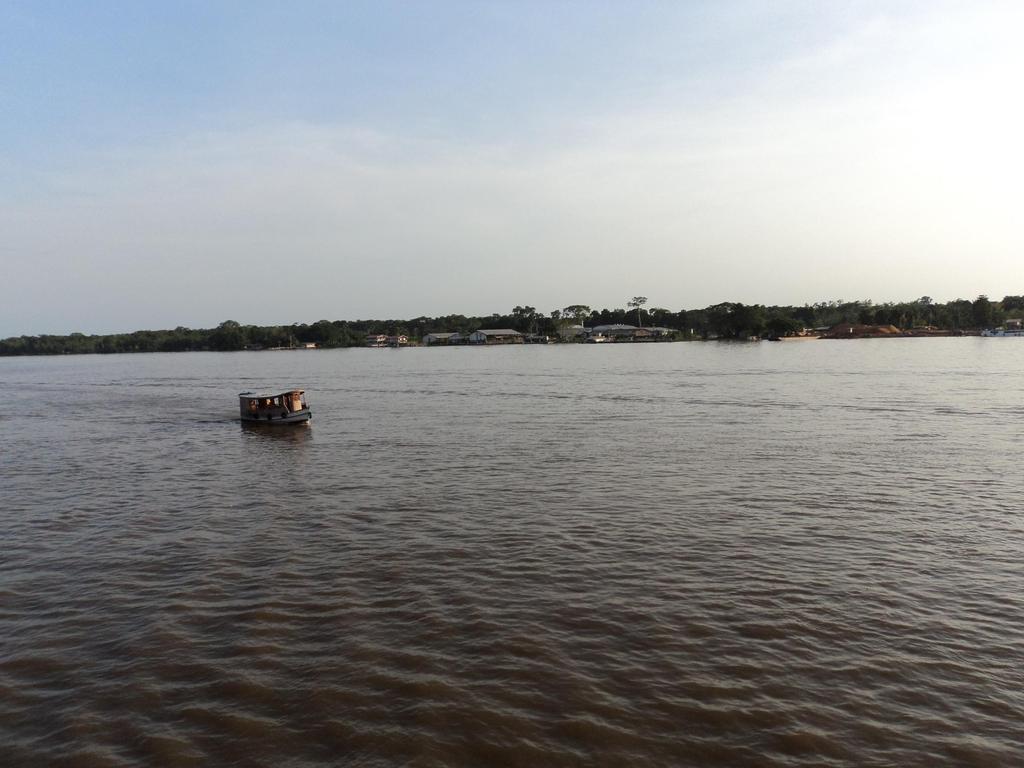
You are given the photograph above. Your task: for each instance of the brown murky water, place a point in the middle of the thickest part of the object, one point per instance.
(804, 554)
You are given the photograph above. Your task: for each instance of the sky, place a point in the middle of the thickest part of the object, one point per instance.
(186, 163)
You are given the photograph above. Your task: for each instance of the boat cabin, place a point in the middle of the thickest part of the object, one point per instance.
(286, 408)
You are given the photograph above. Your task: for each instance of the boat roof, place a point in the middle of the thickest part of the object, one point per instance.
(278, 393)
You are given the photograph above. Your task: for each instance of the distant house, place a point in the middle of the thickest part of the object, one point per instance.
(458, 338)
(438, 338)
(617, 332)
(624, 332)
(613, 330)
(1013, 324)
(401, 340)
(661, 333)
(496, 336)
(571, 331)
(376, 340)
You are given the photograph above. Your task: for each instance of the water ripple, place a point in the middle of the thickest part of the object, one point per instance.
(669, 555)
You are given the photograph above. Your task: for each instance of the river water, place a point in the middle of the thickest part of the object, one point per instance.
(702, 554)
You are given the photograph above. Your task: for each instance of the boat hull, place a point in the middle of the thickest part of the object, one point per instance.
(296, 417)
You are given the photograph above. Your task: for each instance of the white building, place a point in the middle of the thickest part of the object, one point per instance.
(496, 336)
(439, 338)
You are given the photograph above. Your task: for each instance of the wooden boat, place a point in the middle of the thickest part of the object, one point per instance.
(286, 408)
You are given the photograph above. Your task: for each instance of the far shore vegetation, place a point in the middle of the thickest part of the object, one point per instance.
(728, 320)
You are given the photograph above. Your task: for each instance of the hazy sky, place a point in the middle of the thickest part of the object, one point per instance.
(183, 163)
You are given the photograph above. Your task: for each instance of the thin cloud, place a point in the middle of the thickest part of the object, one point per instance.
(868, 165)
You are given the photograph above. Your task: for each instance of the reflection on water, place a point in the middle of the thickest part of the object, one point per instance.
(677, 555)
(296, 434)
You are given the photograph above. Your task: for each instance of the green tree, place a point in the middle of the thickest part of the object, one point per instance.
(961, 313)
(637, 302)
(660, 316)
(525, 319)
(983, 312)
(229, 335)
(781, 324)
(1012, 303)
(747, 320)
(324, 333)
(577, 313)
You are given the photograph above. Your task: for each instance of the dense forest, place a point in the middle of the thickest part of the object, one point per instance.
(728, 320)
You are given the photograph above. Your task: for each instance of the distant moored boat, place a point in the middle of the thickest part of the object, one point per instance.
(286, 408)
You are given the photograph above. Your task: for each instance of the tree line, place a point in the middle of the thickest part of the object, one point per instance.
(727, 320)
